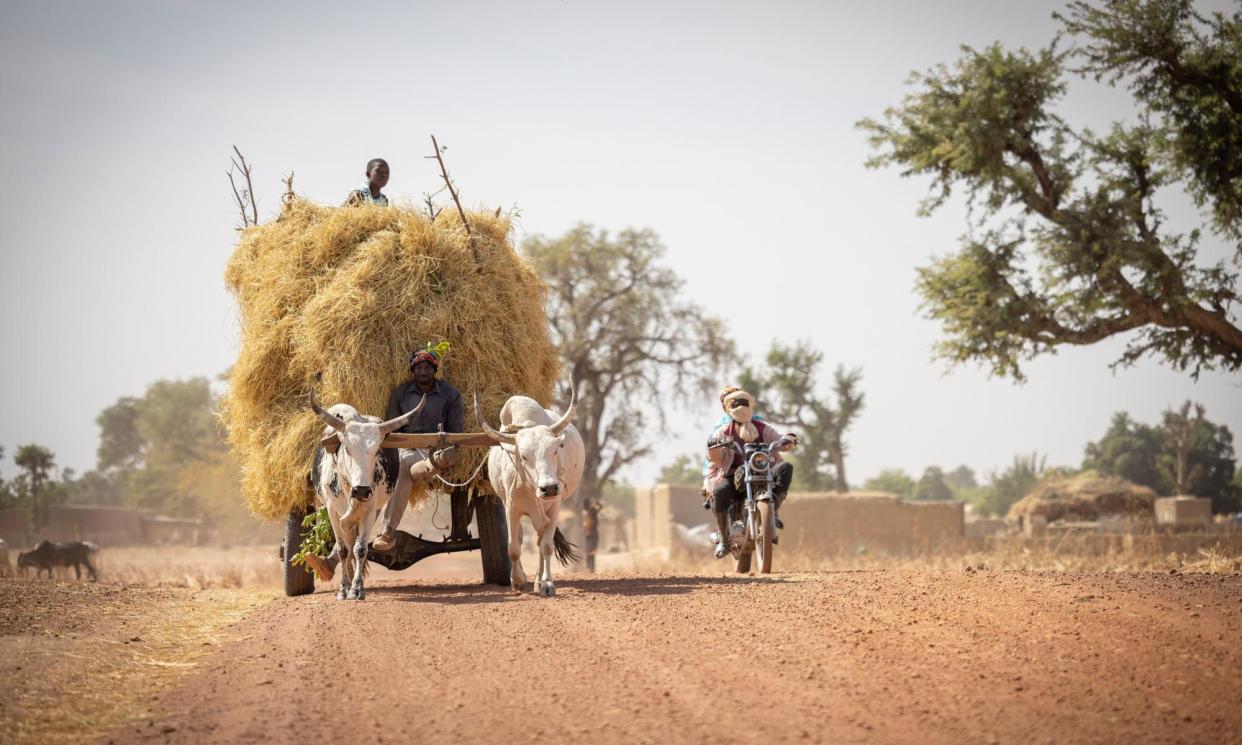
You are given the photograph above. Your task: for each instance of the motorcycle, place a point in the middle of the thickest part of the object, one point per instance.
(752, 521)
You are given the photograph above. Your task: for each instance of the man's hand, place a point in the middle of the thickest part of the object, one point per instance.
(446, 457)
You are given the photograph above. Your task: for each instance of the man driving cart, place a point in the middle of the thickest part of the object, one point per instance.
(443, 412)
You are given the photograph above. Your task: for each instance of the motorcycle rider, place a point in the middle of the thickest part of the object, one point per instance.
(723, 478)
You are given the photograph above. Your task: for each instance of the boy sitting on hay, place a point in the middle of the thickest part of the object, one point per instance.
(444, 411)
(377, 179)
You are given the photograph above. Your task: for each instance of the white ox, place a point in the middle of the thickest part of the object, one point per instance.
(354, 478)
(535, 465)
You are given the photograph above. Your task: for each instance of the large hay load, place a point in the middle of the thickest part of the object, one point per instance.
(1089, 495)
(337, 298)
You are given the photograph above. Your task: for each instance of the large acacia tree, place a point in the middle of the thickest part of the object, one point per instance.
(1067, 245)
(630, 344)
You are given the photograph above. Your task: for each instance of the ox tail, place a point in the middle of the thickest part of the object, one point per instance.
(565, 552)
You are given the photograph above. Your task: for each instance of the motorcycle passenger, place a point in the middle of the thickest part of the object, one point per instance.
(723, 479)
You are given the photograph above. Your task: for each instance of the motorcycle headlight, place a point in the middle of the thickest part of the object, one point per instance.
(759, 462)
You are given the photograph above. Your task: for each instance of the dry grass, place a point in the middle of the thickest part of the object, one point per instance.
(1084, 552)
(347, 294)
(192, 567)
(1070, 553)
(87, 659)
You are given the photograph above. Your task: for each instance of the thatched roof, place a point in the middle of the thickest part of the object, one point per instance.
(1088, 495)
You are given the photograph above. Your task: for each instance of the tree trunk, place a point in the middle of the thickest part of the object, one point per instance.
(837, 456)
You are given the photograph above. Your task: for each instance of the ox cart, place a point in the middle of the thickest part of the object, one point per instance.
(468, 502)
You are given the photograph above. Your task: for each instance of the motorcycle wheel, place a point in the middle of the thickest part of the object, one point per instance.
(763, 541)
(746, 552)
(743, 561)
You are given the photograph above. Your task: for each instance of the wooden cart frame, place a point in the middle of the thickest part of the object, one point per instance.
(466, 504)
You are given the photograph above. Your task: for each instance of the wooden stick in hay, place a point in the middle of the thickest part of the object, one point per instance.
(244, 197)
(474, 247)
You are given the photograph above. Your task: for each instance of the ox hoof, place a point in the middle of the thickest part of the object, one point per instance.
(545, 589)
(340, 594)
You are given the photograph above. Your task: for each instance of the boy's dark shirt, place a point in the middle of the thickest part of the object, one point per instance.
(444, 406)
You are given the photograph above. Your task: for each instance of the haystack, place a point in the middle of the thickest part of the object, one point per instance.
(1084, 496)
(337, 298)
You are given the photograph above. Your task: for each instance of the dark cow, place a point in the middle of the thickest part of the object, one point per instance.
(47, 555)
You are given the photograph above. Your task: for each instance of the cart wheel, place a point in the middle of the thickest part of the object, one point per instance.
(298, 579)
(493, 540)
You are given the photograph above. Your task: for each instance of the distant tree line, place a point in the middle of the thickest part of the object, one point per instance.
(164, 452)
(1184, 454)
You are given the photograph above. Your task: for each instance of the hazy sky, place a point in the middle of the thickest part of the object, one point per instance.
(726, 127)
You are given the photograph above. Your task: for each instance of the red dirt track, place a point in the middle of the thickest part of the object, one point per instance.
(866, 656)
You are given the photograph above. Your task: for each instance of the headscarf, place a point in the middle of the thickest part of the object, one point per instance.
(741, 415)
(425, 355)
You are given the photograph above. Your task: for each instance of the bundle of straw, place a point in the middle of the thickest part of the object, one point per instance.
(337, 298)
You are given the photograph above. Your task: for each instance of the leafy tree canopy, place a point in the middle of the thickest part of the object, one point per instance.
(892, 480)
(961, 477)
(630, 343)
(785, 386)
(932, 485)
(1066, 244)
(685, 470)
(1013, 483)
(1147, 455)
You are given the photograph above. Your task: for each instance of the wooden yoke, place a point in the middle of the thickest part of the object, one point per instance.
(437, 440)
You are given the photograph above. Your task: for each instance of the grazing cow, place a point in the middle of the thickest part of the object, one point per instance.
(47, 555)
(533, 469)
(354, 477)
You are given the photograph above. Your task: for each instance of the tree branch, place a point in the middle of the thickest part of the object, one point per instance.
(474, 248)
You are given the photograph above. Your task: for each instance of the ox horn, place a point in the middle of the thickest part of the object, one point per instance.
(568, 416)
(392, 425)
(501, 437)
(334, 421)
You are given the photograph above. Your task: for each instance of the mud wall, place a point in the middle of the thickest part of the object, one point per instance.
(815, 523)
(658, 508)
(15, 527)
(830, 523)
(106, 526)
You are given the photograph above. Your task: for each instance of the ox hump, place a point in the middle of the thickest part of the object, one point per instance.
(521, 412)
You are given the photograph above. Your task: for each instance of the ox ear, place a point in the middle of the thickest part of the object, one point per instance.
(331, 442)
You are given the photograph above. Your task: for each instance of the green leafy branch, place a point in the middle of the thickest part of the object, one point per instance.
(319, 540)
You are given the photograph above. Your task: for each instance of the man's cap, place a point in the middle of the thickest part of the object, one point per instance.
(424, 355)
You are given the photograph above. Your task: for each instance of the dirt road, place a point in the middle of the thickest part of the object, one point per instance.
(884, 656)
